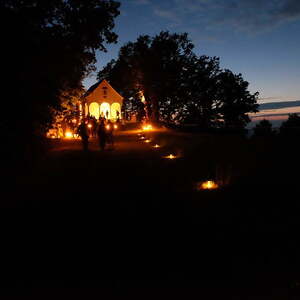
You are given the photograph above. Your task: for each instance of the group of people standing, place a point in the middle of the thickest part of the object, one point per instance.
(103, 130)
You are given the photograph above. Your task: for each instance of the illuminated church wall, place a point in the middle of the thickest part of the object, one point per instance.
(102, 100)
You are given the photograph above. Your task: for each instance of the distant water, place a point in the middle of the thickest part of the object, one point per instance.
(275, 112)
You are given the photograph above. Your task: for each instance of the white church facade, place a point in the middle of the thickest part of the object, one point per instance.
(102, 100)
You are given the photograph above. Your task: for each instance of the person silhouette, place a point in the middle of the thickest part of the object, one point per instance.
(83, 133)
(102, 136)
(110, 132)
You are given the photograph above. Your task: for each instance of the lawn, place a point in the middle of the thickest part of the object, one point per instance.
(246, 230)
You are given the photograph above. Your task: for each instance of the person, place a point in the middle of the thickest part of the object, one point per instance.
(94, 128)
(102, 134)
(83, 133)
(110, 132)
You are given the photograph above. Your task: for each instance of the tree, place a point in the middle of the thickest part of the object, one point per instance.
(200, 91)
(153, 68)
(291, 127)
(179, 86)
(263, 128)
(234, 101)
(48, 49)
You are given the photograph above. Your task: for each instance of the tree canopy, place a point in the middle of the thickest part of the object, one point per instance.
(48, 48)
(178, 85)
(291, 127)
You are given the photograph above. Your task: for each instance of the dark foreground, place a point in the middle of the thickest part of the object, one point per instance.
(127, 223)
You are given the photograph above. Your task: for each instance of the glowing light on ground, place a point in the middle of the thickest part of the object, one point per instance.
(156, 146)
(69, 135)
(147, 141)
(208, 185)
(147, 127)
(115, 126)
(108, 127)
(170, 156)
(90, 126)
(142, 137)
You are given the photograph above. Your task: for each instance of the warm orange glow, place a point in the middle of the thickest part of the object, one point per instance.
(69, 134)
(115, 111)
(147, 141)
(208, 185)
(142, 137)
(171, 156)
(115, 126)
(105, 110)
(156, 146)
(107, 127)
(94, 110)
(147, 127)
(90, 126)
(74, 121)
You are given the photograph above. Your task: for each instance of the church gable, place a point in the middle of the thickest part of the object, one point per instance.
(103, 92)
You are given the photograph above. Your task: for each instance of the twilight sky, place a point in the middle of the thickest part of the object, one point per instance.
(258, 38)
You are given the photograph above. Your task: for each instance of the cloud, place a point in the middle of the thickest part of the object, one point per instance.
(241, 15)
(141, 2)
(168, 15)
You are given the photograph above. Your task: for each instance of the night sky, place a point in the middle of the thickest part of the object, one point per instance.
(258, 38)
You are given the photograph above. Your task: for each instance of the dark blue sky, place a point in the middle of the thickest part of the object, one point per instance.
(258, 38)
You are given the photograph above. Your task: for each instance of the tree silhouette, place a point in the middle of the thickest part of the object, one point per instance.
(291, 127)
(152, 67)
(263, 128)
(234, 101)
(48, 49)
(179, 86)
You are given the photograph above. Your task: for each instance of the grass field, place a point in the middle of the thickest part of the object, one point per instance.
(243, 234)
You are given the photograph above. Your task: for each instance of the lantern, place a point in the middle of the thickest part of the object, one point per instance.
(170, 156)
(147, 127)
(208, 185)
(69, 134)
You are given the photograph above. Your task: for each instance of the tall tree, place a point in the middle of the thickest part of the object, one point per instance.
(200, 85)
(178, 85)
(49, 47)
(234, 101)
(151, 67)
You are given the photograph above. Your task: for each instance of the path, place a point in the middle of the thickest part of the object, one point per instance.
(134, 172)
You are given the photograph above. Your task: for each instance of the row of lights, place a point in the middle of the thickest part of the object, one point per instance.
(70, 135)
(205, 185)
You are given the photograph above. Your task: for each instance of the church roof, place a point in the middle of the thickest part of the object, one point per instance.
(103, 82)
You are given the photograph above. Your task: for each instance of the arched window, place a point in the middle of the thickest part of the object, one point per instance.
(94, 110)
(115, 111)
(105, 110)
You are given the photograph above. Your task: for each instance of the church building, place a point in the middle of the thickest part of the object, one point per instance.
(102, 100)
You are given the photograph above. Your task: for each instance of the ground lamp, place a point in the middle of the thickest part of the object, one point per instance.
(147, 127)
(208, 185)
(170, 156)
(69, 134)
(156, 146)
(147, 141)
